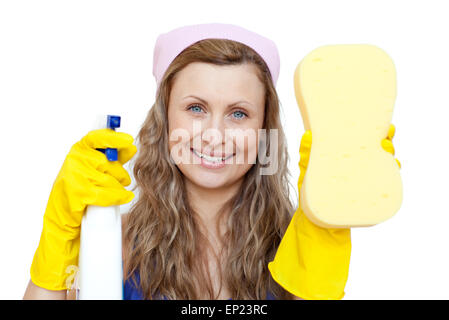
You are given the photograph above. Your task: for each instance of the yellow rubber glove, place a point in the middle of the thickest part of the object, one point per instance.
(387, 143)
(86, 178)
(313, 262)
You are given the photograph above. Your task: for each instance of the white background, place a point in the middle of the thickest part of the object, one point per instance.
(64, 62)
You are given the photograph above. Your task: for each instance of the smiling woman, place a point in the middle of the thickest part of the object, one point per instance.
(207, 221)
(217, 137)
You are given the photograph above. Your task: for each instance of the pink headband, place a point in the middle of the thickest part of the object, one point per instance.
(170, 44)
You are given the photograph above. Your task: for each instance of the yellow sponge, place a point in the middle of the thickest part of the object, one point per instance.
(346, 96)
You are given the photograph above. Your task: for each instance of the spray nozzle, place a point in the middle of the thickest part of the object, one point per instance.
(111, 123)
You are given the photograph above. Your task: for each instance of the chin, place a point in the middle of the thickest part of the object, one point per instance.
(206, 179)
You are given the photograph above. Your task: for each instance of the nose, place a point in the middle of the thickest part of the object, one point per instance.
(213, 135)
(214, 128)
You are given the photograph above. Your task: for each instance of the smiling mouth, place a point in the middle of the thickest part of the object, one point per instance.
(210, 158)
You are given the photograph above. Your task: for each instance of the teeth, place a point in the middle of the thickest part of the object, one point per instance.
(209, 158)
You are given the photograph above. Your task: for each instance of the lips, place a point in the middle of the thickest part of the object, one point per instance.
(223, 157)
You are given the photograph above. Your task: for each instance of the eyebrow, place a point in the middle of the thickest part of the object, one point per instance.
(205, 102)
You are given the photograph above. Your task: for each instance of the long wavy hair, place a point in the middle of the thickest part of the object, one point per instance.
(163, 239)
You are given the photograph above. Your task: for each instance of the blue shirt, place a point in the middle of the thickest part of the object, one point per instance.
(131, 292)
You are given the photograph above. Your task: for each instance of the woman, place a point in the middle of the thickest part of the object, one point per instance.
(198, 232)
(207, 221)
(217, 228)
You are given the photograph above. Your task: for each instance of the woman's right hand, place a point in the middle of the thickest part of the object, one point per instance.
(311, 262)
(87, 177)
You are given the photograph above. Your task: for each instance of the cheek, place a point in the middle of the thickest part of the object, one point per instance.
(252, 150)
(179, 138)
(185, 122)
(174, 122)
(247, 146)
(178, 126)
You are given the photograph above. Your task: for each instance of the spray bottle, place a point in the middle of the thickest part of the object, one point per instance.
(100, 259)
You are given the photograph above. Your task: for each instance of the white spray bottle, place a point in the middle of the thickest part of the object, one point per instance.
(100, 260)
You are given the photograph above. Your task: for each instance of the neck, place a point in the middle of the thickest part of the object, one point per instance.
(208, 201)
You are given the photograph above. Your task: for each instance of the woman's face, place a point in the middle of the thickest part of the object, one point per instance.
(215, 112)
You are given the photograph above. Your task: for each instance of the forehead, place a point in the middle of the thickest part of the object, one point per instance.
(213, 82)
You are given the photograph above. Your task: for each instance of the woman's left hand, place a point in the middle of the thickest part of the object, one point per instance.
(313, 262)
(387, 143)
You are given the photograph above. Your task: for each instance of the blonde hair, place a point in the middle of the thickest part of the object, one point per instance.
(165, 244)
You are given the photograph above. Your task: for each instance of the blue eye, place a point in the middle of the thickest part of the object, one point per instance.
(195, 106)
(243, 115)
